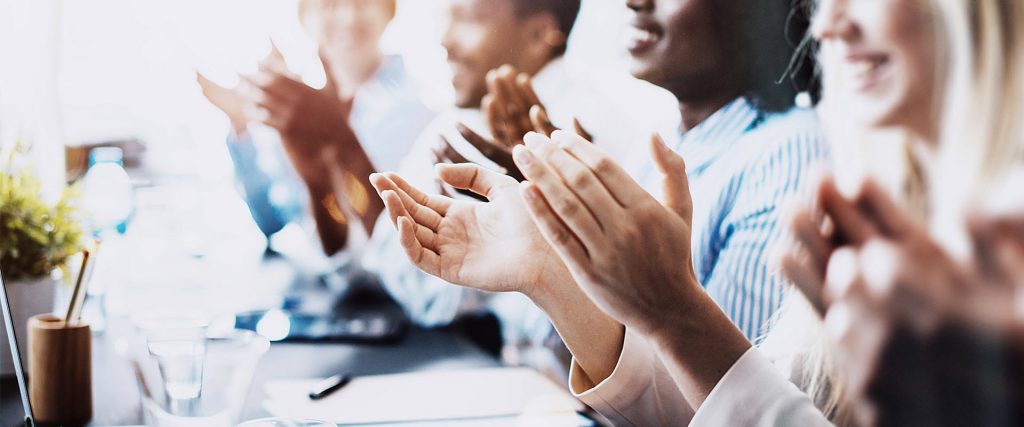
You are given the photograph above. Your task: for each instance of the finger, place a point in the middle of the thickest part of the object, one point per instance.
(807, 279)
(450, 153)
(331, 84)
(275, 54)
(525, 84)
(851, 226)
(621, 186)
(421, 257)
(581, 180)
(555, 232)
(808, 235)
(393, 202)
(490, 149)
(569, 208)
(473, 178)
(419, 212)
(541, 122)
(676, 185)
(581, 131)
(518, 106)
(496, 119)
(274, 83)
(436, 203)
(880, 208)
(843, 281)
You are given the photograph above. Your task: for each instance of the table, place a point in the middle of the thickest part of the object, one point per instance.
(116, 397)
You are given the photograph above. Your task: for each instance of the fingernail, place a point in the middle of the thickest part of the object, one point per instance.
(522, 155)
(533, 140)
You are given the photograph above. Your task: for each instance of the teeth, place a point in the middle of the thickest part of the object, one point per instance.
(863, 69)
(641, 36)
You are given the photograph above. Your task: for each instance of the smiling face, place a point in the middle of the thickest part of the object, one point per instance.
(677, 45)
(881, 61)
(483, 35)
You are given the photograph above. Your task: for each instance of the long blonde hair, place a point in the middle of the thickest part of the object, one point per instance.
(981, 137)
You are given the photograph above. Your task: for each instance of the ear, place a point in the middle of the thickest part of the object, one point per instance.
(543, 35)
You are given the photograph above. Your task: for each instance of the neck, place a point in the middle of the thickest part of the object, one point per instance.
(695, 112)
(357, 71)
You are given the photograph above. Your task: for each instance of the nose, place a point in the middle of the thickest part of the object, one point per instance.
(448, 40)
(832, 20)
(640, 5)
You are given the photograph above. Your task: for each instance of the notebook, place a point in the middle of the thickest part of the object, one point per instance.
(490, 396)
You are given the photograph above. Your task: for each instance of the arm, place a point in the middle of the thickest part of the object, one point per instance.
(613, 236)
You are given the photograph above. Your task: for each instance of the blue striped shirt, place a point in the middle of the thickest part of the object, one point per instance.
(743, 164)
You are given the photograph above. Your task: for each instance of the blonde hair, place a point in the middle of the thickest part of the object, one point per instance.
(981, 137)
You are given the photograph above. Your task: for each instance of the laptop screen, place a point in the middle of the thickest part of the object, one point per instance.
(19, 370)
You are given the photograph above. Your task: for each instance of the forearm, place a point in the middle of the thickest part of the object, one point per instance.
(698, 345)
(352, 178)
(594, 339)
(331, 222)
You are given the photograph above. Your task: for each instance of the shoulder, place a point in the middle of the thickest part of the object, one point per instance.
(788, 144)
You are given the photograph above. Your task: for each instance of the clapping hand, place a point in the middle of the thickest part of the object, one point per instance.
(491, 246)
(512, 109)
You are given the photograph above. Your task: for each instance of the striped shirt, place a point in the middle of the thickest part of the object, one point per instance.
(743, 164)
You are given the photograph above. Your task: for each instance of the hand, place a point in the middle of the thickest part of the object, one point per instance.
(629, 253)
(490, 246)
(226, 100)
(896, 297)
(296, 110)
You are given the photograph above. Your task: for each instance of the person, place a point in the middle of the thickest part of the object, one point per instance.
(374, 89)
(918, 300)
(593, 215)
(747, 147)
(482, 35)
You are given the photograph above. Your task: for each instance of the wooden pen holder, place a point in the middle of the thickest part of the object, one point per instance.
(59, 371)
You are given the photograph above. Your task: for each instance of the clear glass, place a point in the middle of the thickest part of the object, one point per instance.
(188, 381)
(283, 422)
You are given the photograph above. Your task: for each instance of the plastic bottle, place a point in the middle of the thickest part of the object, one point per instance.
(108, 197)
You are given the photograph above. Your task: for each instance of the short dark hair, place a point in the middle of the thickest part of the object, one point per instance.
(564, 11)
(774, 36)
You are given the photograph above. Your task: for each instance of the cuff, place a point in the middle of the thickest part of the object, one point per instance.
(627, 383)
(752, 393)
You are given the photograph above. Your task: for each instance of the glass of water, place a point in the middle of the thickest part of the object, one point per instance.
(188, 376)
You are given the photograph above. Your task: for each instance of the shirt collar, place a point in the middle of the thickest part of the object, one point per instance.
(716, 134)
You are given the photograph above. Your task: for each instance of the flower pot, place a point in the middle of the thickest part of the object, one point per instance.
(28, 298)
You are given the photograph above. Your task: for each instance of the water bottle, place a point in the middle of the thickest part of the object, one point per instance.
(107, 195)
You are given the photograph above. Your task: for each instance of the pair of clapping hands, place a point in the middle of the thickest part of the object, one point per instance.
(889, 291)
(309, 120)
(576, 217)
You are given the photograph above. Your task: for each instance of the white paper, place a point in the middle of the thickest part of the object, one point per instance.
(490, 396)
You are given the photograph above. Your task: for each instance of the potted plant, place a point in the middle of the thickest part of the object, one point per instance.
(36, 240)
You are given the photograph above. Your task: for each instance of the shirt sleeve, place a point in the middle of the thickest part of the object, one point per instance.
(754, 393)
(270, 189)
(740, 276)
(639, 392)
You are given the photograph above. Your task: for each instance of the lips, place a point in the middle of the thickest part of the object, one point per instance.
(867, 70)
(642, 36)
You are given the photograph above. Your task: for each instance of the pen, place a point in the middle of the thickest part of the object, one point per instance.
(329, 385)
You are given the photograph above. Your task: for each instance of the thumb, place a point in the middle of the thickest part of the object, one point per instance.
(331, 84)
(473, 178)
(676, 186)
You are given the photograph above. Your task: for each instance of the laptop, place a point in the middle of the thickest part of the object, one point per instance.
(19, 371)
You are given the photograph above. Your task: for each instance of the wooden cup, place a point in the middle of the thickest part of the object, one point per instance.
(59, 371)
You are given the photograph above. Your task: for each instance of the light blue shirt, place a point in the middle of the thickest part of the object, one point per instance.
(387, 116)
(743, 165)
